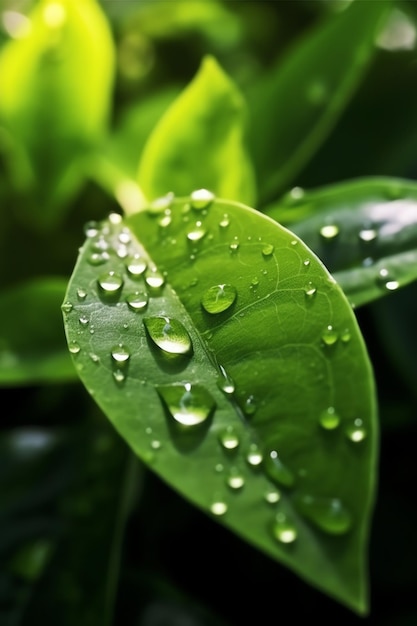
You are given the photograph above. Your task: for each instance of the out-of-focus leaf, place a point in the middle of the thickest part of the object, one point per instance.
(231, 362)
(295, 105)
(62, 510)
(55, 98)
(32, 341)
(200, 142)
(364, 230)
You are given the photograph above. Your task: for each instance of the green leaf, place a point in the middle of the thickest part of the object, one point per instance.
(32, 344)
(57, 81)
(231, 362)
(294, 106)
(200, 141)
(364, 231)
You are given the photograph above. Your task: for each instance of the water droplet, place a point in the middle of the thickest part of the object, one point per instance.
(101, 244)
(188, 404)
(165, 220)
(329, 419)
(136, 265)
(254, 283)
(356, 431)
(162, 203)
(385, 279)
(329, 231)
(154, 280)
(124, 236)
(98, 258)
(229, 438)
(196, 233)
(272, 496)
(283, 530)
(328, 514)
(169, 335)
(268, 249)
(138, 301)
(115, 219)
(84, 320)
(156, 444)
(306, 262)
(225, 221)
(91, 229)
(94, 357)
(110, 283)
(367, 235)
(235, 479)
(345, 335)
(294, 242)
(225, 383)
(296, 193)
(219, 298)
(201, 198)
(254, 456)
(310, 290)
(234, 245)
(74, 347)
(119, 375)
(329, 335)
(250, 405)
(120, 355)
(67, 307)
(81, 294)
(218, 508)
(277, 471)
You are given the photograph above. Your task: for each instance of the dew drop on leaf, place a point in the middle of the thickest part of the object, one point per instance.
(329, 335)
(224, 222)
(367, 235)
(250, 405)
(219, 298)
(136, 265)
(110, 283)
(345, 335)
(81, 294)
(138, 301)
(98, 258)
(355, 431)
(67, 307)
(310, 290)
(120, 355)
(268, 249)
(283, 530)
(201, 198)
(385, 279)
(229, 438)
(235, 479)
(225, 383)
(154, 280)
(188, 404)
(83, 319)
(74, 347)
(328, 514)
(277, 471)
(254, 456)
(169, 335)
(329, 419)
(272, 496)
(91, 229)
(196, 233)
(218, 508)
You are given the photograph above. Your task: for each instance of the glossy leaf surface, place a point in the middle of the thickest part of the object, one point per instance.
(200, 141)
(294, 108)
(230, 361)
(364, 231)
(31, 336)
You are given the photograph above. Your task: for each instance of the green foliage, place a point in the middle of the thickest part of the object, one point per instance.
(199, 394)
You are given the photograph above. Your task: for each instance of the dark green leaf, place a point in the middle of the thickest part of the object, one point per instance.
(235, 368)
(200, 142)
(365, 232)
(32, 342)
(56, 98)
(294, 107)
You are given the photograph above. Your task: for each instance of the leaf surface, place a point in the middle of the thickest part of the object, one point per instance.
(364, 231)
(200, 141)
(231, 362)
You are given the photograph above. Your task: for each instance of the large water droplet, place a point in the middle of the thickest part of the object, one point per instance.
(110, 283)
(329, 231)
(218, 507)
(284, 530)
(169, 335)
(201, 198)
(277, 471)
(235, 479)
(196, 233)
(268, 249)
(329, 419)
(136, 265)
(188, 404)
(154, 280)
(120, 355)
(137, 301)
(229, 438)
(328, 514)
(254, 456)
(219, 298)
(74, 347)
(329, 335)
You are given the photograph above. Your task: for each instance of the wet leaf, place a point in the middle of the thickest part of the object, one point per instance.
(294, 107)
(231, 362)
(32, 343)
(200, 141)
(364, 231)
